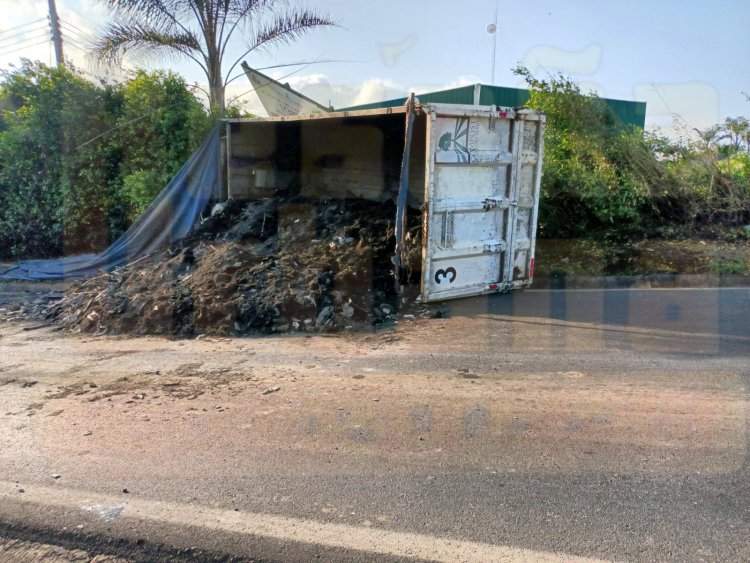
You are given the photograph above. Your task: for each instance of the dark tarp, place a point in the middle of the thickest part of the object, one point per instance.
(169, 218)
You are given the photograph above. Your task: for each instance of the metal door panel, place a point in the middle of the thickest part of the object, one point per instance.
(481, 201)
(465, 181)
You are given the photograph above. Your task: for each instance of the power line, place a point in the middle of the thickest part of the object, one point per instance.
(25, 47)
(144, 116)
(67, 34)
(85, 50)
(17, 44)
(23, 33)
(70, 41)
(73, 29)
(69, 22)
(308, 63)
(16, 27)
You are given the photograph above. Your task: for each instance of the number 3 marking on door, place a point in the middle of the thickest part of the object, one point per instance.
(449, 273)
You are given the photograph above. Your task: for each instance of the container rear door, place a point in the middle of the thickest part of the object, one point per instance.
(473, 207)
(527, 173)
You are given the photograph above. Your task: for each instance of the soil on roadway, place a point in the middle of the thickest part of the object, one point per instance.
(576, 437)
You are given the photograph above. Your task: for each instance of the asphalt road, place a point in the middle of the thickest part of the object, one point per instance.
(544, 425)
(718, 313)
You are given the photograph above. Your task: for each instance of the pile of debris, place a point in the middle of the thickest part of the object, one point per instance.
(276, 265)
(31, 301)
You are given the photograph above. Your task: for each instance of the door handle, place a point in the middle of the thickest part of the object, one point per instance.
(447, 234)
(490, 203)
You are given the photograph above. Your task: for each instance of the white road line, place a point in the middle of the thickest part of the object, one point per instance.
(363, 539)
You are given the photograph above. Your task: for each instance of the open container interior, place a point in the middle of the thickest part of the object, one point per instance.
(354, 157)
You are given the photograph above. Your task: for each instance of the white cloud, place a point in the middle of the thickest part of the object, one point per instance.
(313, 80)
(461, 81)
(376, 90)
(318, 87)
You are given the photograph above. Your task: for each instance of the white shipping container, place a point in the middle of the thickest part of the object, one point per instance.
(473, 171)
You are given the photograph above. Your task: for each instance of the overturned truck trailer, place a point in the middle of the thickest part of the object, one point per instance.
(471, 174)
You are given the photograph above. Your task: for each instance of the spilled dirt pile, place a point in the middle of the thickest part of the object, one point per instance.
(276, 265)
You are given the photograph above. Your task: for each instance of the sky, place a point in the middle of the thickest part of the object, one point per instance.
(687, 59)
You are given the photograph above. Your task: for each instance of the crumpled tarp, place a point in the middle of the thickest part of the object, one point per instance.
(169, 218)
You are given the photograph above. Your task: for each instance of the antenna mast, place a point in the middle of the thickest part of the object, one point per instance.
(492, 30)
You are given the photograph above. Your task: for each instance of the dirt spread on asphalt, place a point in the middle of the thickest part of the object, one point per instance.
(415, 398)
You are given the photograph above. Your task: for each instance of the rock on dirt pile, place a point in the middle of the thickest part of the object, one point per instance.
(277, 265)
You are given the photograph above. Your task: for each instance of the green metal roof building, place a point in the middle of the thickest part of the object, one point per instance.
(630, 113)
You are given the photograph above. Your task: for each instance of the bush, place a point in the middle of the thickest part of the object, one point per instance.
(175, 123)
(602, 179)
(596, 172)
(50, 191)
(79, 161)
(708, 185)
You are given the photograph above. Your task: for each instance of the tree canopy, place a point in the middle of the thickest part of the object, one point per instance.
(80, 160)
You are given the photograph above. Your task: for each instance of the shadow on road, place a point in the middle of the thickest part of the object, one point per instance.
(720, 314)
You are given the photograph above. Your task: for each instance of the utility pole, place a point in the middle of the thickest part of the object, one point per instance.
(54, 23)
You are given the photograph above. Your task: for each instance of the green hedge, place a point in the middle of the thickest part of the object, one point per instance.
(80, 160)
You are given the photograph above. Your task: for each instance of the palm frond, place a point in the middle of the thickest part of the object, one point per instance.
(158, 13)
(238, 12)
(283, 28)
(286, 27)
(148, 9)
(238, 9)
(139, 36)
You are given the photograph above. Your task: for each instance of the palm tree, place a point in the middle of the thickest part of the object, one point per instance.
(737, 129)
(709, 136)
(203, 31)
